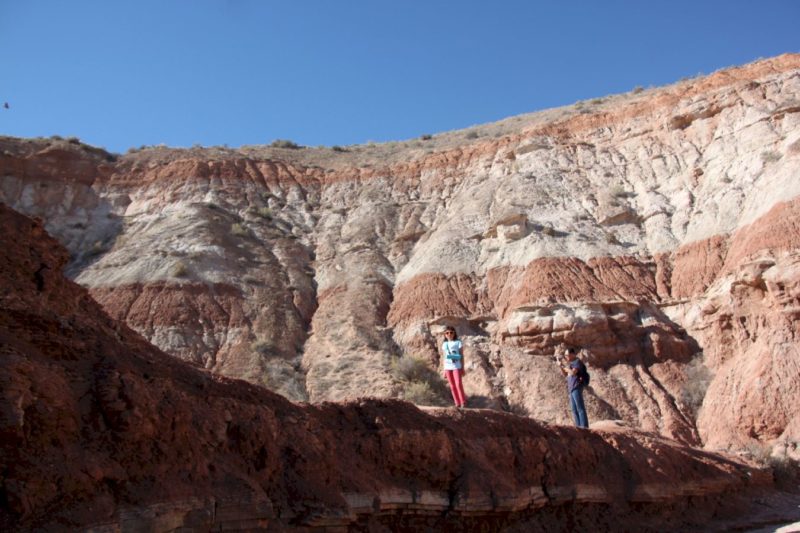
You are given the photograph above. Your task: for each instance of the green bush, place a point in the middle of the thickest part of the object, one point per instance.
(96, 249)
(238, 230)
(179, 269)
(422, 385)
(262, 347)
(410, 368)
(618, 191)
(785, 472)
(420, 393)
(698, 377)
(285, 378)
(759, 453)
(285, 143)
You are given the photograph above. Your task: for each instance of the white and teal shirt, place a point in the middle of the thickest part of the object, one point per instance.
(453, 355)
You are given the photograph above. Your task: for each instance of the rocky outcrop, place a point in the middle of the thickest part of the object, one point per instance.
(101, 431)
(630, 226)
(748, 321)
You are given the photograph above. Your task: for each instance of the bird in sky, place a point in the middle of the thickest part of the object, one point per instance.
(6, 106)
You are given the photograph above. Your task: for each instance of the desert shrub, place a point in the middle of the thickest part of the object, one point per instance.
(698, 377)
(612, 196)
(97, 248)
(238, 230)
(410, 368)
(611, 238)
(785, 471)
(262, 347)
(264, 212)
(618, 191)
(179, 269)
(285, 378)
(521, 150)
(759, 453)
(471, 135)
(337, 148)
(426, 137)
(549, 231)
(421, 393)
(285, 143)
(770, 157)
(422, 385)
(638, 89)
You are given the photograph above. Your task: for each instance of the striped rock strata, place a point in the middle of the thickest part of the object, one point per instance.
(101, 431)
(656, 229)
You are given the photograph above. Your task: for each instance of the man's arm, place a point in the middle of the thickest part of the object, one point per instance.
(568, 370)
(565, 370)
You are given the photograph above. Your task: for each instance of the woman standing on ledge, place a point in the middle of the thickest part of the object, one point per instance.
(454, 365)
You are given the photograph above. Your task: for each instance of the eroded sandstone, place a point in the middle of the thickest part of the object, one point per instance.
(655, 229)
(100, 430)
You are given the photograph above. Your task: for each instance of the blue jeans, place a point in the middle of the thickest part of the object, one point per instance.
(578, 409)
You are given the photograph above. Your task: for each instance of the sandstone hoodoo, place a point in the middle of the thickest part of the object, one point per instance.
(658, 229)
(101, 431)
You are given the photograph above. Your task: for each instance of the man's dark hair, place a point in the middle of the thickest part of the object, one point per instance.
(570, 350)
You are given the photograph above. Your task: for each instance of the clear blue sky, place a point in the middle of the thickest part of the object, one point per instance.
(119, 73)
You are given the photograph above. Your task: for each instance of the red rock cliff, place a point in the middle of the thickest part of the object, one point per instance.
(655, 229)
(100, 430)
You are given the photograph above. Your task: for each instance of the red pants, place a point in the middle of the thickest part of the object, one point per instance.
(456, 387)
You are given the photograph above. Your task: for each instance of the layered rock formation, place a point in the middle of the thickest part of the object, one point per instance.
(656, 229)
(101, 431)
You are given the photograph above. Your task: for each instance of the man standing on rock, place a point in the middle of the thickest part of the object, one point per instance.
(574, 370)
